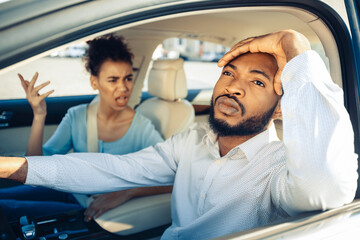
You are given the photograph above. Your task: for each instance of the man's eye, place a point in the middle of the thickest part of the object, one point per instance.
(226, 73)
(129, 79)
(259, 83)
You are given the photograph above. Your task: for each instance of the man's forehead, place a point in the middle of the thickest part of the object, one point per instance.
(261, 60)
(264, 56)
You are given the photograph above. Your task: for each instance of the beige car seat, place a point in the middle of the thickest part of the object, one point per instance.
(168, 110)
(136, 215)
(170, 113)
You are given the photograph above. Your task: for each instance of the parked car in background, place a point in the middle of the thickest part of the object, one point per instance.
(33, 30)
(212, 56)
(73, 51)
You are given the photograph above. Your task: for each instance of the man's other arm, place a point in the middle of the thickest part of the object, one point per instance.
(321, 164)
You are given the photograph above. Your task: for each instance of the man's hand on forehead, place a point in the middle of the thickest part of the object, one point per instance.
(283, 45)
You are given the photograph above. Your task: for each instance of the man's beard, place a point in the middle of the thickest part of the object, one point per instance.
(249, 126)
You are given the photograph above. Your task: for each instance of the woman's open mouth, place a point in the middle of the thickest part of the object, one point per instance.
(121, 100)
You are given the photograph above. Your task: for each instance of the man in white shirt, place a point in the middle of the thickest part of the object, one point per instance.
(234, 174)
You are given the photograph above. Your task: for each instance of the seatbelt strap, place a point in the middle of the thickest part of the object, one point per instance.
(91, 125)
(91, 139)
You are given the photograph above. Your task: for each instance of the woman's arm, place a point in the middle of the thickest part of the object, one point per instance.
(34, 147)
(62, 140)
(38, 105)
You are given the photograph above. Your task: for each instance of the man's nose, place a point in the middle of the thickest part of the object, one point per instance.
(236, 88)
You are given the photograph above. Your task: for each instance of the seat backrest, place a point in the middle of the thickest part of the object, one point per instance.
(169, 111)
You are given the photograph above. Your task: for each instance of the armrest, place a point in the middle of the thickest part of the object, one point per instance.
(137, 215)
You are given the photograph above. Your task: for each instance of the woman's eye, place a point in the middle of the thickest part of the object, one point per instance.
(259, 83)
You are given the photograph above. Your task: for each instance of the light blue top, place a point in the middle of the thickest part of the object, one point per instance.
(71, 134)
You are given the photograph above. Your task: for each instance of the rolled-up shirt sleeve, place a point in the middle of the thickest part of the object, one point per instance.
(92, 173)
(321, 165)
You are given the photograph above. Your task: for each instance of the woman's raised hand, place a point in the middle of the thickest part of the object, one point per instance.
(36, 100)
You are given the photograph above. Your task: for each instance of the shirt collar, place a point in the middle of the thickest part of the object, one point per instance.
(210, 140)
(210, 136)
(250, 147)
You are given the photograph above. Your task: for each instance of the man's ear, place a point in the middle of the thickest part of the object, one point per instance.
(277, 113)
(94, 82)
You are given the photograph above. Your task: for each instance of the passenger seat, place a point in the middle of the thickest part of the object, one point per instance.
(169, 111)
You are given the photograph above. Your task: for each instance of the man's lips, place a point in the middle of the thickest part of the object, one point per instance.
(229, 105)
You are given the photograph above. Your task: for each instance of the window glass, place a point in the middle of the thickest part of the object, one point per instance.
(200, 60)
(64, 68)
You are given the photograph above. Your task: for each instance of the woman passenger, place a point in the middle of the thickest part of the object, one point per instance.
(120, 130)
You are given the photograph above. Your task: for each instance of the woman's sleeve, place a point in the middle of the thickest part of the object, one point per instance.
(61, 141)
(150, 135)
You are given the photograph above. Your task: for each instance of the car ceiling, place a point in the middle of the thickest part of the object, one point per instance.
(226, 27)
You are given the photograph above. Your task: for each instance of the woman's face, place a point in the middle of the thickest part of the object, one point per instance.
(115, 83)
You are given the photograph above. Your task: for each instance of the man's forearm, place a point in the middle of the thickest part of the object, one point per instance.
(14, 168)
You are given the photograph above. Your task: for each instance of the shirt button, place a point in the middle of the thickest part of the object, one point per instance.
(204, 195)
(218, 161)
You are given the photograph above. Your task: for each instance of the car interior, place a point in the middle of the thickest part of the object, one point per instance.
(168, 102)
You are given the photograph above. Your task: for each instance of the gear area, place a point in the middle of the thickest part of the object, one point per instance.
(68, 225)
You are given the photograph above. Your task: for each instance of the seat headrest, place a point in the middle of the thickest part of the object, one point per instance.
(167, 79)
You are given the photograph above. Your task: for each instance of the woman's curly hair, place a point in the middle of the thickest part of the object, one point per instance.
(108, 47)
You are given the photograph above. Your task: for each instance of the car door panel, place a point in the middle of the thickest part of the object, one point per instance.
(16, 125)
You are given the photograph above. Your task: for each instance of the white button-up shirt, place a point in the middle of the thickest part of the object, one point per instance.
(259, 181)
